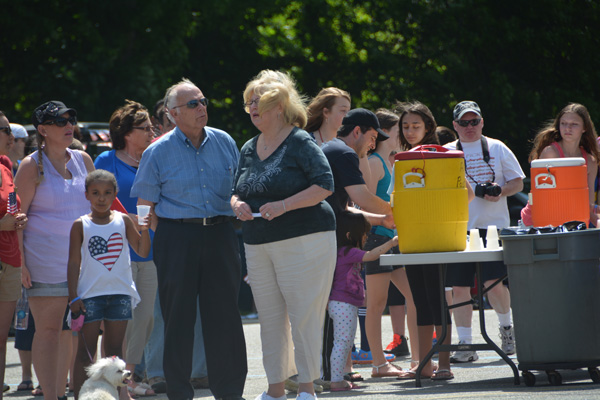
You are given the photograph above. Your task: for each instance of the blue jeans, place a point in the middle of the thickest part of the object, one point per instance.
(153, 353)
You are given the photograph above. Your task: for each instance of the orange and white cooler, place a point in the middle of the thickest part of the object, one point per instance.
(559, 191)
(430, 201)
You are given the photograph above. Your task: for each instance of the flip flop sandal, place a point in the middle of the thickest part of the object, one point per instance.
(407, 375)
(442, 375)
(378, 374)
(353, 377)
(25, 385)
(346, 388)
(140, 391)
(37, 391)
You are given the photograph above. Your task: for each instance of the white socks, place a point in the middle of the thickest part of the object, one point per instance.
(504, 319)
(465, 334)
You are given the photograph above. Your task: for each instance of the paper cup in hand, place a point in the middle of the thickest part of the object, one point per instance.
(142, 211)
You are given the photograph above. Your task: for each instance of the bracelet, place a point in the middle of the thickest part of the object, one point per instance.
(74, 300)
(283, 202)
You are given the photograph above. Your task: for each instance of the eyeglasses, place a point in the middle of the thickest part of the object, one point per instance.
(148, 128)
(6, 129)
(194, 103)
(473, 122)
(249, 103)
(60, 121)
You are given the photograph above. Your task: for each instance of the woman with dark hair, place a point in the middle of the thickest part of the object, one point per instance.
(570, 134)
(11, 221)
(417, 125)
(325, 113)
(418, 128)
(379, 277)
(51, 184)
(131, 132)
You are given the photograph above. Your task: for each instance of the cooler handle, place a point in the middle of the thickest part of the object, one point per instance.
(392, 200)
(430, 147)
(413, 184)
(539, 185)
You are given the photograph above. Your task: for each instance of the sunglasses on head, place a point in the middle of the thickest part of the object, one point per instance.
(195, 103)
(60, 121)
(6, 129)
(466, 122)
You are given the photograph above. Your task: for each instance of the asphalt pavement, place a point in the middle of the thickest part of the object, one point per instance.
(488, 378)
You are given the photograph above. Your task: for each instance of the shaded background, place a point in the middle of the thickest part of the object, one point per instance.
(521, 61)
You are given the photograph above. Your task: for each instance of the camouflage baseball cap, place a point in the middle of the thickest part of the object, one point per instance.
(464, 107)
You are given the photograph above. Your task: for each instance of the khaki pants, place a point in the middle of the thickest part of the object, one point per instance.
(291, 280)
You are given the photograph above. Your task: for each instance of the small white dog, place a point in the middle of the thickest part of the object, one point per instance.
(105, 375)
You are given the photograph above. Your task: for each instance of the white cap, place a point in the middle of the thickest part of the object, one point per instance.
(19, 131)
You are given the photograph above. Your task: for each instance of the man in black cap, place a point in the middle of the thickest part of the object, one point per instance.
(358, 133)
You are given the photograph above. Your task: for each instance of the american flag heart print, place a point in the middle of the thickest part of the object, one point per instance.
(106, 252)
(11, 207)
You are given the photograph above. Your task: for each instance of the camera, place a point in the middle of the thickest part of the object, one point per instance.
(481, 189)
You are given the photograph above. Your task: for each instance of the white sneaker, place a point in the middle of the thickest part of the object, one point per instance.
(463, 356)
(265, 396)
(306, 396)
(507, 334)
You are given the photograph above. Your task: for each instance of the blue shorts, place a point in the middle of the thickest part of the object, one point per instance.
(114, 307)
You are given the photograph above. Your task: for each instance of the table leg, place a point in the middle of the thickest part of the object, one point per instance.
(480, 292)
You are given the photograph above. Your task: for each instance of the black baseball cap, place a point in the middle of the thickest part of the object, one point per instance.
(363, 117)
(49, 111)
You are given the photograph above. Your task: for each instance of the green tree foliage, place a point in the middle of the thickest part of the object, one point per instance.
(521, 62)
(90, 54)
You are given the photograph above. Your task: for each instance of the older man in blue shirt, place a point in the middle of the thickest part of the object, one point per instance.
(186, 176)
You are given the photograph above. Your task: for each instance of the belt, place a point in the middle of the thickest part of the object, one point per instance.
(219, 219)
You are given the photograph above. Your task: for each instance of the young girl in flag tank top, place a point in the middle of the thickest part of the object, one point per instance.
(99, 271)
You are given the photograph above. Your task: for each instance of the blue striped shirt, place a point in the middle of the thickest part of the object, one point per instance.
(185, 182)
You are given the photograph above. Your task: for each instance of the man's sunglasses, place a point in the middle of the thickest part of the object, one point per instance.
(60, 121)
(194, 103)
(6, 129)
(466, 122)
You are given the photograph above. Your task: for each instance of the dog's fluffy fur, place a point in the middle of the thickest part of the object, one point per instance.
(105, 375)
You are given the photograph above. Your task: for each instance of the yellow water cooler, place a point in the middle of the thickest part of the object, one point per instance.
(430, 201)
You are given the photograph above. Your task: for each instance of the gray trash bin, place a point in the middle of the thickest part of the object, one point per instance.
(555, 295)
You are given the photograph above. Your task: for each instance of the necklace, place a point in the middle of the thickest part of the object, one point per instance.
(127, 154)
(321, 136)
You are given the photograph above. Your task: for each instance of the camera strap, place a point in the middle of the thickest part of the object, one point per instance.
(485, 150)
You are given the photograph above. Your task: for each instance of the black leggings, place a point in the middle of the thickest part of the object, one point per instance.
(424, 281)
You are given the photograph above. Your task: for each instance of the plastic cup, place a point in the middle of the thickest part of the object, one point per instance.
(474, 240)
(492, 237)
(142, 211)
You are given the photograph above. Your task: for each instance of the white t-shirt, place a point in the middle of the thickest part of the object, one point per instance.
(482, 212)
(105, 262)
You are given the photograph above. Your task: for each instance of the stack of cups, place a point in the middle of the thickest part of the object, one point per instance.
(474, 240)
(492, 238)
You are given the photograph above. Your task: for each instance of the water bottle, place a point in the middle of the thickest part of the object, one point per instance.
(22, 311)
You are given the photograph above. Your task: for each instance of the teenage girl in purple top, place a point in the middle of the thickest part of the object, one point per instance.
(347, 292)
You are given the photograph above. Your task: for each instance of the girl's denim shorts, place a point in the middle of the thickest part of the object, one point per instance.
(114, 307)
